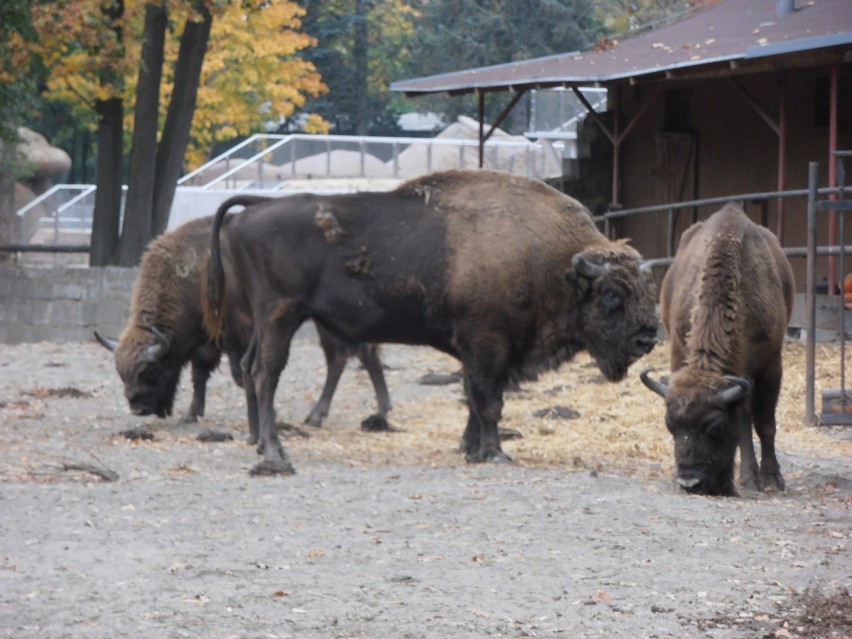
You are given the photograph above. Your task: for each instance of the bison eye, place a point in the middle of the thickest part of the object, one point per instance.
(610, 299)
(715, 426)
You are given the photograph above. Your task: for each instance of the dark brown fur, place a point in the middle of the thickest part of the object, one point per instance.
(475, 263)
(167, 298)
(725, 301)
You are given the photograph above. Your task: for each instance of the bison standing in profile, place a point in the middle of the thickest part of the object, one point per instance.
(725, 302)
(165, 330)
(506, 274)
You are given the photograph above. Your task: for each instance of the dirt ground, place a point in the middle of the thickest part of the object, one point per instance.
(384, 535)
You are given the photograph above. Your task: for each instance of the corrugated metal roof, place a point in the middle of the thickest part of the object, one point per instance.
(723, 32)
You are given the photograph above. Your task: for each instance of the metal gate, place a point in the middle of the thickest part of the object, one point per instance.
(836, 403)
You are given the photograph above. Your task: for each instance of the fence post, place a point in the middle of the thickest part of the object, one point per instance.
(810, 295)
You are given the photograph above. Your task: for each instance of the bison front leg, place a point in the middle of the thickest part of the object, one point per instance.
(481, 440)
(766, 390)
(204, 360)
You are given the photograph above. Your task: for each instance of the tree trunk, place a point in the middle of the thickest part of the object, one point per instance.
(170, 154)
(107, 213)
(138, 211)
(359, 52)
(7, 198)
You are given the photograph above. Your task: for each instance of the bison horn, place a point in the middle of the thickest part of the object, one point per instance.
(159, 349)
(586, 268)
(656, 386)
(107, 343)
(739, 389)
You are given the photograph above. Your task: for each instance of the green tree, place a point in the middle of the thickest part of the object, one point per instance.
(623, 16)
(362, 45)
(17, 91)
(452, 35)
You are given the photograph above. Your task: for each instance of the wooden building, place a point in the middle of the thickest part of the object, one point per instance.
(737, 97)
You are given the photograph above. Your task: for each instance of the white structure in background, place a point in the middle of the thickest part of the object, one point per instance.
(277, 165)
(555, 114)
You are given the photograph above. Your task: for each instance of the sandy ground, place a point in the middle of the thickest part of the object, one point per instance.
(391, 534)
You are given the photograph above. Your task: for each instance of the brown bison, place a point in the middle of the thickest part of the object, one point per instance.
(165, 330)
(725, 302)
(506, 274)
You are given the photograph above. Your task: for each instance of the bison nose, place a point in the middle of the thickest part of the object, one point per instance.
(645, 340)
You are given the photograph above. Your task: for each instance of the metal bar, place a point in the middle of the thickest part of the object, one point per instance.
(842, 220)
(506, 110)
(45, 248)
(832, 174)
(481, 128)
(616, 152)
(243, 163)
(782, 152)
(594, 114)
(222, 156)
(715, 200)
(810, 295)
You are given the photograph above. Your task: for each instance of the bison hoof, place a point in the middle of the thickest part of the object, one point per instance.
(774, 481)
(314, 420)
(188, 419)
(483, 457)
(270, 467)
(378, 424)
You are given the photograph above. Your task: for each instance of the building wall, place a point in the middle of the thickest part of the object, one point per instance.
(63, 304)
(737, 153)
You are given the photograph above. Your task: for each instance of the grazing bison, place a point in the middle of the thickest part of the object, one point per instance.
(507, 274)
(725, 302)
(165, 330)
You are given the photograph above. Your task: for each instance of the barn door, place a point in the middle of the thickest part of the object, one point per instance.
(676, 173)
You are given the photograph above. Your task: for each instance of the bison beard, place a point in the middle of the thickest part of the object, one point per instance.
(506, 274)
(725, 302)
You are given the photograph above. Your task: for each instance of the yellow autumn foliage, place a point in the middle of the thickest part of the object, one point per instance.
(251, 75)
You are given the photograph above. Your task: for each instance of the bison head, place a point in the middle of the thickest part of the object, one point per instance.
(617, 300)
(143, 363)
(705, 420)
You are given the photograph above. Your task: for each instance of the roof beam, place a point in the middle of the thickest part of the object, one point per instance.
(754, 105)
(483, 137)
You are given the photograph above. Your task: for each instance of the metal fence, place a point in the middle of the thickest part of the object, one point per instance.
(834, 314)
(269, 161)
(837, 403)
(280, 164)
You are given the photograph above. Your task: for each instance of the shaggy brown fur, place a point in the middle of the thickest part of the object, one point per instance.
(725, 301)
(505, 273)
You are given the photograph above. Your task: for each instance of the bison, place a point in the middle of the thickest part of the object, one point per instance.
(725, 302)
(506, 274)
(165, 330)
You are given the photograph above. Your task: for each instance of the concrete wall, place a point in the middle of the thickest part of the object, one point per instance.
(63, 304)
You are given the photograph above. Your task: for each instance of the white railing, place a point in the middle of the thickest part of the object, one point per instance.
(267, 161)
(280, 164)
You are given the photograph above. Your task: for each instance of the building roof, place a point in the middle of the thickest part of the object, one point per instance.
(723, 36)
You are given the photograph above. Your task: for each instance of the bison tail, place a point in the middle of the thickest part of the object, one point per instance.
(213, 289)
(213, 285)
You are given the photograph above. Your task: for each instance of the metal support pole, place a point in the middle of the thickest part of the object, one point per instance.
(810, 295)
